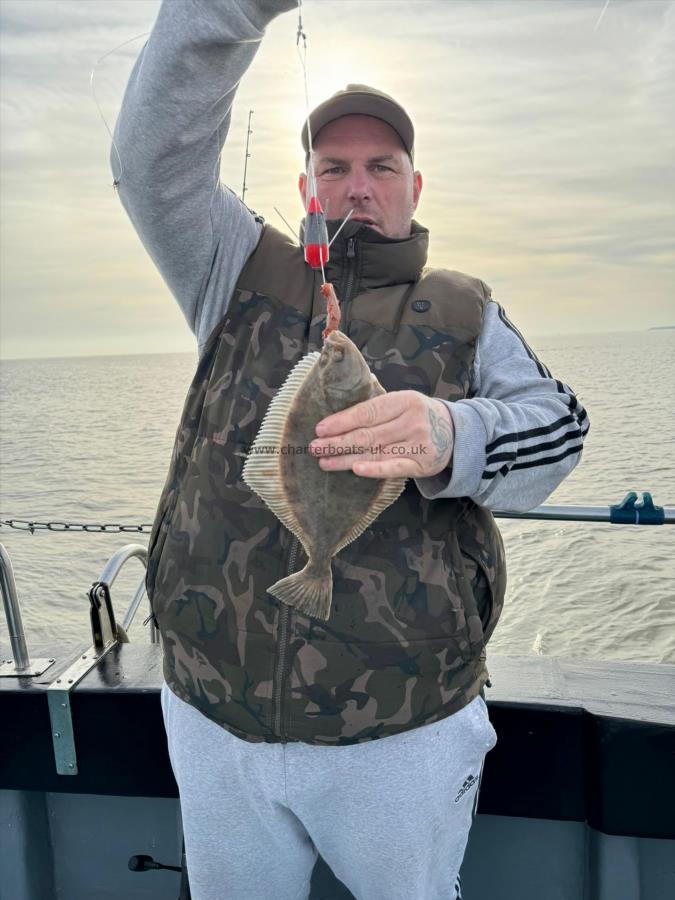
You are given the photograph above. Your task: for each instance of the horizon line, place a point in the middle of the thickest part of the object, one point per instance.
(195, 351)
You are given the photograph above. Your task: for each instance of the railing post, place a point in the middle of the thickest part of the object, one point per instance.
(10, 601)
(20, 664)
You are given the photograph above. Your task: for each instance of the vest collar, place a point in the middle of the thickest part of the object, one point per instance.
(382, 260)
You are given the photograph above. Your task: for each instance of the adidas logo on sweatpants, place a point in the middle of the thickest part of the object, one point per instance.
(468, 784)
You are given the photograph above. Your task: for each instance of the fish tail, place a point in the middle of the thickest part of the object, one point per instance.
(309, 591)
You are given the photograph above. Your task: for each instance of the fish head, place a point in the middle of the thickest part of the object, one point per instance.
(343, 372)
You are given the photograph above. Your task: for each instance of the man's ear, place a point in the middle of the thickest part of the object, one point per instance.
(302, 187)
(417, 188)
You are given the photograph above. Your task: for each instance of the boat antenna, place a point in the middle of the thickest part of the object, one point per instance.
(249, 132)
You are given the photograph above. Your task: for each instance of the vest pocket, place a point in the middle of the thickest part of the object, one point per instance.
(485, 568)
(466, 570)
(480, 591)
(157, 541)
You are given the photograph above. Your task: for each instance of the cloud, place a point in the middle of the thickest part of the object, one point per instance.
(546, 149)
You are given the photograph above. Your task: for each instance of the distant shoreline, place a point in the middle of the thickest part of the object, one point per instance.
(662, 328)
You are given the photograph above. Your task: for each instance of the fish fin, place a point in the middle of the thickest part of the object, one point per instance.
(261, 469)
(309, 591)
(391, 490)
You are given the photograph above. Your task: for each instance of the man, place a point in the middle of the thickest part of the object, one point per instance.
(363, 737)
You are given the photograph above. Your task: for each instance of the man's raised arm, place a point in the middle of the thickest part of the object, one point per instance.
(174, 119)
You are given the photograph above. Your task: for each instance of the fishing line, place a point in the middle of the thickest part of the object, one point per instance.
(342, 225)
(604, 10)
(292, 230)
(302, 54)
(117, 180)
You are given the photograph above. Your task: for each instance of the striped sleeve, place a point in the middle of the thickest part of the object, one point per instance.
(519, 434)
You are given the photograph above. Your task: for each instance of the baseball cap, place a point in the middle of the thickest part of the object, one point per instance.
(360, 99)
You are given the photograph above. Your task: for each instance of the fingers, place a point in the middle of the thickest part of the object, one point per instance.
(367, 414)
(399, 434)
(386, 464)
(395, 468)
(362, 440)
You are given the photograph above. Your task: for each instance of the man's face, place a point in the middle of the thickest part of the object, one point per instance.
(361, 164)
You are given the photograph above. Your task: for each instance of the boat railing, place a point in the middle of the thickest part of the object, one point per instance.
(105, 629)
(107, 633)
(631, 511)
(99, 593)
(20, 663)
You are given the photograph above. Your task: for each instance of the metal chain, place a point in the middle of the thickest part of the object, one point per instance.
(27, 525)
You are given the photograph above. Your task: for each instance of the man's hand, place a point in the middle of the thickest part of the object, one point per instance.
(398, 434)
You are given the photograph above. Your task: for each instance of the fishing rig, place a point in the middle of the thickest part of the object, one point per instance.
(316, 233)
(316, 245)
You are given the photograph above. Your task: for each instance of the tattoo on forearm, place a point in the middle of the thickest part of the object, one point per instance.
(441, 435)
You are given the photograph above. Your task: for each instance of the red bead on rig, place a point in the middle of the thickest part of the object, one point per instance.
(316, 235)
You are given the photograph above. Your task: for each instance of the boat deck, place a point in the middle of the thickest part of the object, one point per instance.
(576, 800)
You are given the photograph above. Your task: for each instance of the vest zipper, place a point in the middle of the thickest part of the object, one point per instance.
(285, 610)
(284, 640)
(349, 283)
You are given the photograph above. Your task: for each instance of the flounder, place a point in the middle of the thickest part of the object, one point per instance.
(326, 511)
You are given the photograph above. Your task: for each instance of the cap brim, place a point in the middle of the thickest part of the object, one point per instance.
(361, 104)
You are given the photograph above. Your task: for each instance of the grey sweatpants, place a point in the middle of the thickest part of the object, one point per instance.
(391, 816)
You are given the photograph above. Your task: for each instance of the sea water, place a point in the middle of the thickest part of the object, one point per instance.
(89, 440)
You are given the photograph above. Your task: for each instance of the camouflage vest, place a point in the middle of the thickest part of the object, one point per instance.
(415, 597)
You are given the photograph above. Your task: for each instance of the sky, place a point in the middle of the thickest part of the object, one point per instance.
(544, 132)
